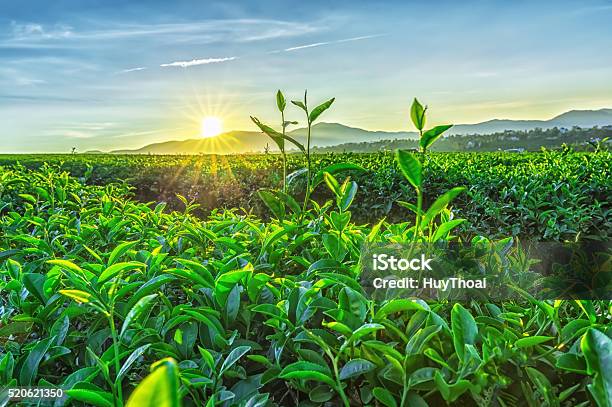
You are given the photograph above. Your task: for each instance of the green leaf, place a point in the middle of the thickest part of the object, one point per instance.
(273, 203)
(288, 200)
(439, 205)
(233, 357)
(300, 104)
(35, 282)
(418, 341)
(356, 367)
(226, 282)
(114, 270)
(279, 138)
(305, 365)
(309, 375)
(153, 285)
(597, 349)
(543, 385)
(531, 341)
(281, 103)
(130, 361)
(91, 397)
(453, 391)
(444, 228)
(384, 396)
(464, 329)
(102, 365)
(158, 389)
(316, 112)
(190, 275)
(572, 362)
(320, 394)
(587, 307)
(410, 166)
(208, 357)
(432, 354)
(136, 311)
(431, 135)
(66, 264)
(119, 251)
(7, 364)
(332, 183)
(334, 169)
(29, 369)
(398, 305)
(417, 114)
(77, 295)
(348, 192)
(59, 329)
(412, 207)
(334, 246)
(364, 330)
(422, 375)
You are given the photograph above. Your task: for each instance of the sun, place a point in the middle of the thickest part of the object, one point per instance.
(211, 126)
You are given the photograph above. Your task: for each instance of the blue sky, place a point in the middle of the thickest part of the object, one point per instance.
(116, 74)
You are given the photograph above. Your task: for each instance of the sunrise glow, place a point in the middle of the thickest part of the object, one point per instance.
(211, 126)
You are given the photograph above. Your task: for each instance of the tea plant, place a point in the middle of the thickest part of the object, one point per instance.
(411, 167)
(280, 138)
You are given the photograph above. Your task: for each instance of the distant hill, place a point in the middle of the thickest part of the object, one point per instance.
(333, 134)
(513, 140)
(329, 134)
(580, 118)
(238, 142)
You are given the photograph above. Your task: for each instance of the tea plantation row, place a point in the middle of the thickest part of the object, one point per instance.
(553, 195)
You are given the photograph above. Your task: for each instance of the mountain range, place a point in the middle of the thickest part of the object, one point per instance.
(330, 134)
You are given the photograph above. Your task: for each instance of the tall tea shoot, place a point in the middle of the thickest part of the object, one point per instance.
(281, 104)
(279, 201)
(412, 168)
(280, 138)
(311, 117)
(426, 137)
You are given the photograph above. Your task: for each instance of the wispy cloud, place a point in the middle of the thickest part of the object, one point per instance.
(139, 68)
(194, 62)
(316, 44)
(81, 130)
(38, 31)
(33, 35)
(319, 44)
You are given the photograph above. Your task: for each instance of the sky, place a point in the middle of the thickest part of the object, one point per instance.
(108, 74)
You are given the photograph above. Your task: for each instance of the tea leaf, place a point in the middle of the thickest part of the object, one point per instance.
(431, 135)
(597, 349)
(417, 114)
(410, 166)
(355, 367)
(316, 112)
(158, 389)
(280, 101)
(464, 329)
(136, 311)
